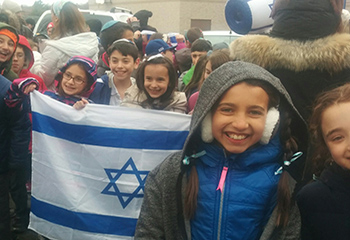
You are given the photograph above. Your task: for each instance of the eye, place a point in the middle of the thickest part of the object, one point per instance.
(337, 138)
(68, 75)
(225, 109)
(256, 113)
(79, 80)
(11, 44)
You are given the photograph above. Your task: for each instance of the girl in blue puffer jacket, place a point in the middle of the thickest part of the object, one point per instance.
(234, 178)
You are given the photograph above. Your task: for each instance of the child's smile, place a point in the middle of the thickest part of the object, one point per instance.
(239, 120)
(71, 82)
(156, 80)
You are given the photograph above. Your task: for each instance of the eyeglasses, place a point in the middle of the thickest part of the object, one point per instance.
(77, 79)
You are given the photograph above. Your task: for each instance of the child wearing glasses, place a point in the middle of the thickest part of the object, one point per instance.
(73, 82)
(123, 60)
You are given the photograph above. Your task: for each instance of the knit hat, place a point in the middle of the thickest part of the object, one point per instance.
(157, 46)
(305, 19)
(143, 16)
(108, 25)
(11, 6)
(57, 7)
(11, 33)
(89, 66)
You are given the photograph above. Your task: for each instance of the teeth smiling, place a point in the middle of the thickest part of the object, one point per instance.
(237, 137)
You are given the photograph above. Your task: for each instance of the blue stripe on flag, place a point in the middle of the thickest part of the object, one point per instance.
(109, 137)
(87, 222)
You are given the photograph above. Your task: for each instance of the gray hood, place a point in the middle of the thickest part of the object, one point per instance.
(219, 81)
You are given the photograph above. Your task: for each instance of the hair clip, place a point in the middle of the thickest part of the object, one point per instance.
(287, 163)
(155, 56)
(186, 160)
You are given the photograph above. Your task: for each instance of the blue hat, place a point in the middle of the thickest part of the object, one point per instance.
(108, 25)
(157, 46)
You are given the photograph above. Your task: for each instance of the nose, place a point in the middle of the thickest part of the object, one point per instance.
(153, 84)
(119, 64)
(240, 122)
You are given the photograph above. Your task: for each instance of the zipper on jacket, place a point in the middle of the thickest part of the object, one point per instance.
(223, 184)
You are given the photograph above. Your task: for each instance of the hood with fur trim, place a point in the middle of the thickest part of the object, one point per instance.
(330, 54)
(223, 78)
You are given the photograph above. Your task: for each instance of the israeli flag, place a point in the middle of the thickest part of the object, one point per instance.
(90, 166)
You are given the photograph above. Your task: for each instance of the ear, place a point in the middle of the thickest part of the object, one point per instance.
(206, 129)
(272, 119)
(137, 62)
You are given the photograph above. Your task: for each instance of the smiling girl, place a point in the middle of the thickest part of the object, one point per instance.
(228, 182)
(155, 87)
(324, 203)
(74, 81)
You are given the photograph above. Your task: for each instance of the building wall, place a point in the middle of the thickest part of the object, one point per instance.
(173, 15)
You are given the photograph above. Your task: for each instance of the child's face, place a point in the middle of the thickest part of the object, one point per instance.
(122, 66)
(336, 133)
(239, 120)
(18, 60)
(208, 70)
(156, 80)
(7, 48)
(196, 55)
(128, 35)
(169, 54)
(74, 80)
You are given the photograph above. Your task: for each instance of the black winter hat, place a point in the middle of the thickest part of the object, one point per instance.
(143, 16)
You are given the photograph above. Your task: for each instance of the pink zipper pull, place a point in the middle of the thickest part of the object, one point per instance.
(222, 179)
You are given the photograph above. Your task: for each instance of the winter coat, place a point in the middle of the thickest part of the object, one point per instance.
(5, 67)
(324, 206)
(56, 53)
(135, 98)
(161, 215)
(15, 130)
(103, 89)
(303, 51)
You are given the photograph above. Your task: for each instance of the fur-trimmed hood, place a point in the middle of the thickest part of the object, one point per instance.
(330, 54)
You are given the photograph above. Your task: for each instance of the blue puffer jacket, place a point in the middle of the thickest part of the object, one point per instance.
(15, 130)
(243, 208)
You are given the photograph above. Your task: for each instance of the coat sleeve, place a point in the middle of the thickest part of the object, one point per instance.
(15, 96)
(47, 66)
(150, 222)
(20, 128)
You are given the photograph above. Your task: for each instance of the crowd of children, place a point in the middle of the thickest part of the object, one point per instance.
(245, 171)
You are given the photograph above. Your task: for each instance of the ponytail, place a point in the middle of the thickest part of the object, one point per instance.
(283, 193)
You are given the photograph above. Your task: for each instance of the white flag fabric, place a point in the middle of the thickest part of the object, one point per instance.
(89, 166)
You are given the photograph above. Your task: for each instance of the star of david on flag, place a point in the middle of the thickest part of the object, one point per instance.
(115, 174)
(90, 166)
